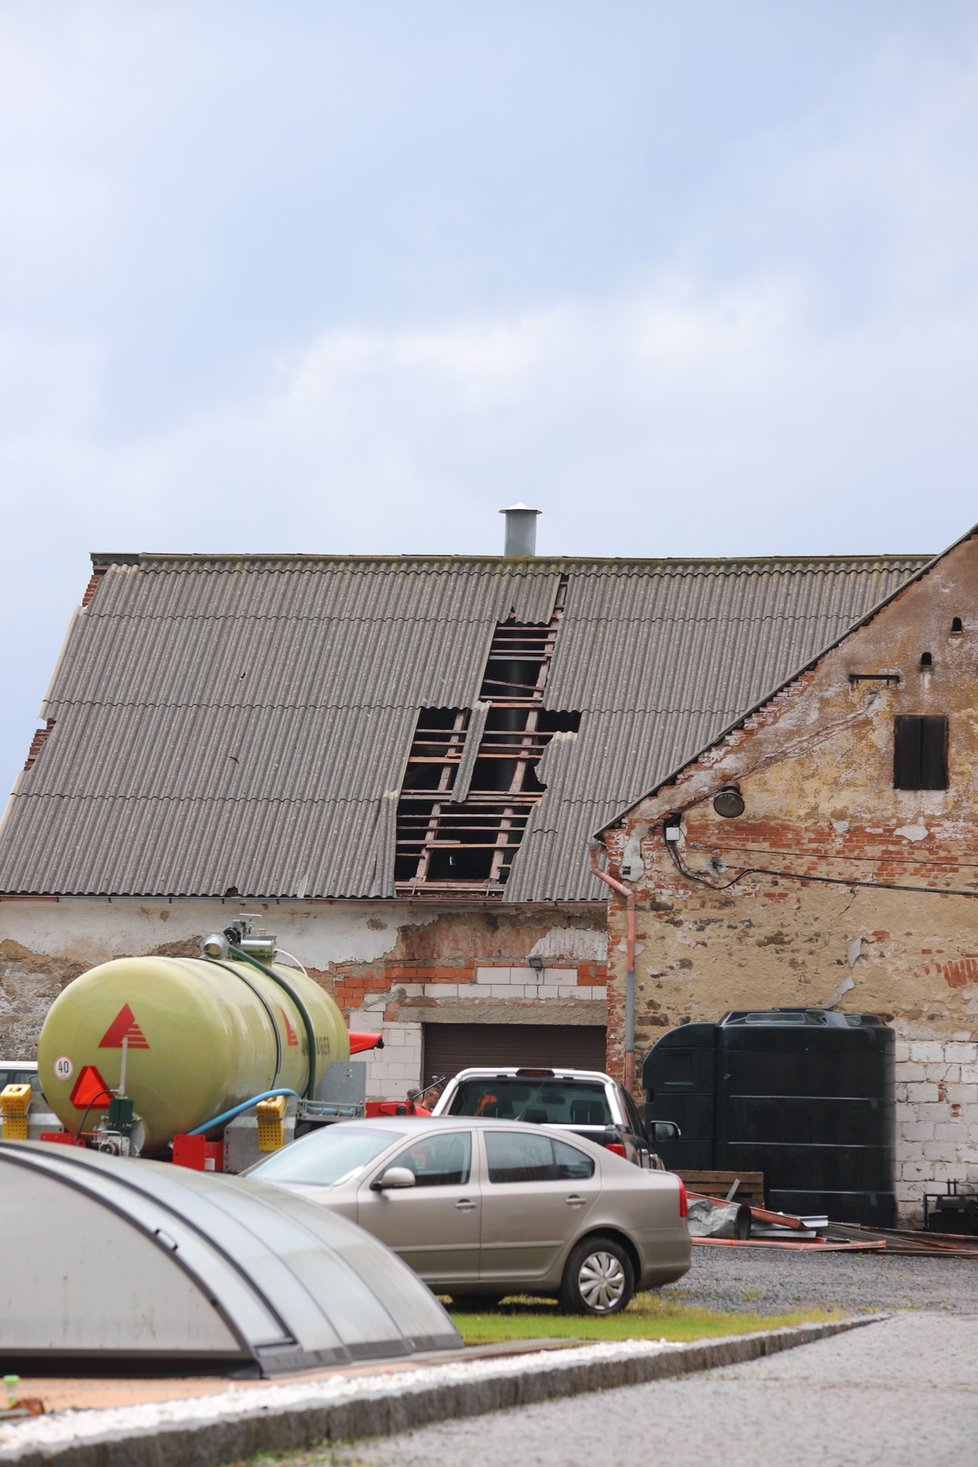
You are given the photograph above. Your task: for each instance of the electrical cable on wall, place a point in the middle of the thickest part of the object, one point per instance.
(849, 856)
(807, 876)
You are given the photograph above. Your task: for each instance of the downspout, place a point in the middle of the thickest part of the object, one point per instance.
(629, 895)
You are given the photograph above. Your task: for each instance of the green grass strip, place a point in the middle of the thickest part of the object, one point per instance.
(646, 1318)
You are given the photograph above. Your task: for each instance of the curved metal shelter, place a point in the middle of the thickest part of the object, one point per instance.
(113, 1261)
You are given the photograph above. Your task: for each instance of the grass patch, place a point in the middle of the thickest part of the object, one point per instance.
(646, 1318)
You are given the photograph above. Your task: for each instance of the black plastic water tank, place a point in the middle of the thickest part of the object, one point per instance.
(803, 1095)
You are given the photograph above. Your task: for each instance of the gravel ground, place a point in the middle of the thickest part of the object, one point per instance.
(890, 1395)
(896, 1394)
(769, 1281)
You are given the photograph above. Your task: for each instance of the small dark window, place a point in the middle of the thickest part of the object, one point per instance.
(920, 752)
(926, 662)
(956, 626)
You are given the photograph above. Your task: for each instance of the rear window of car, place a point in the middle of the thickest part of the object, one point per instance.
(515, 1156)
(545, 1102)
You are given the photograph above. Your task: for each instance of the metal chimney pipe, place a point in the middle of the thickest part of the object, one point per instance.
(521, 530)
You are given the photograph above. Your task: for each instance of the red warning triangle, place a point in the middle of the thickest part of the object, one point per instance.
(124, 1026)
(291, 1037)
(91, 1091)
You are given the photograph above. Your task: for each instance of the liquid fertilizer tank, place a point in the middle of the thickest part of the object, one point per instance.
(186, 1040)
(124, 1263)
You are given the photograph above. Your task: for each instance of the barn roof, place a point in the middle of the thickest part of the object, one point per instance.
(248, 725)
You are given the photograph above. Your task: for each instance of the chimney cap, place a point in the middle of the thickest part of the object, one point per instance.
(524, 507)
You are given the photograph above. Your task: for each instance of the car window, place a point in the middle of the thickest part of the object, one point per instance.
(631, 1114)
(325, 1156)
(438, 1161)
(551, 1102)
(16, 1075)
(570, 1164)
(589, 1106)
(515, 1156)
(484, 1098)
(519, 1156)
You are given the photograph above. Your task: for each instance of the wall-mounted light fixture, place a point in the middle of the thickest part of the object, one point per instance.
(729, 802)
(536, 962)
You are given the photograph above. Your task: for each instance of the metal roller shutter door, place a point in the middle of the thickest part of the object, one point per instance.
(449, 1048)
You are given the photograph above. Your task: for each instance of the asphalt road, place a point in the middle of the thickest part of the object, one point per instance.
(903, 1391)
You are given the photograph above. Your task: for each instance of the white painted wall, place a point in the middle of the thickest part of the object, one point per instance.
(93, 930)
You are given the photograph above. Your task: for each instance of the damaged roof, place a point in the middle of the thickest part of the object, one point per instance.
(242, 725)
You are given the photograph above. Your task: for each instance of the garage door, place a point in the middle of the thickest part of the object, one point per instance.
(449, 1048)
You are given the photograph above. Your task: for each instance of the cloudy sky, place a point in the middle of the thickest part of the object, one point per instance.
(307, 275)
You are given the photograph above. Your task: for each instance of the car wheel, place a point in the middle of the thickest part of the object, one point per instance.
(599, 1278)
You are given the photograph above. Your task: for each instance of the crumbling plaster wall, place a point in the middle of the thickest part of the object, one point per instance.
(390, 965)
(832, 886)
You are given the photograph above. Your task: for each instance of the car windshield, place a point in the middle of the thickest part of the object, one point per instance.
(12, 1073)
(326, 1156)
(547, 1101)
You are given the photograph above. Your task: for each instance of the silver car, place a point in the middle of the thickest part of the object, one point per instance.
(485, 1208)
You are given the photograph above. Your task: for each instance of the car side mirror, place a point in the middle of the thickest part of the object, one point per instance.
(664, 1131)
(393, 1178)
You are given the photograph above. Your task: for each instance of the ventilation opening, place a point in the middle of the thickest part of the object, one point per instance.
(463, 812)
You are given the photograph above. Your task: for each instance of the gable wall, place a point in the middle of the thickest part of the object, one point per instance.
(833, 886)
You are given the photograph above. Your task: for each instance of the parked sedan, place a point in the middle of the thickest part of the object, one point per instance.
(484, 1208)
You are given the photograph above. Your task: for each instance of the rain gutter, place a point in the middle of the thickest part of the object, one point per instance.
(629, 895)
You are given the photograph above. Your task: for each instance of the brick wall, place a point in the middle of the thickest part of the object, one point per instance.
(476, 992)
(937, 1127)
(833, 887)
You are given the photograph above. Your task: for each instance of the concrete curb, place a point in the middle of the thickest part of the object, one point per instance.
(386, 1406)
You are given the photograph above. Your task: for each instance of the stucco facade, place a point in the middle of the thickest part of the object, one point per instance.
(393, 967)
(833, 887)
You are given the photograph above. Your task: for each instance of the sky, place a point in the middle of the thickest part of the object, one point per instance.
(693, 279)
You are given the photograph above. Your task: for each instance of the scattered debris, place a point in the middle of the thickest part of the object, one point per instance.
(16, 1406)
(720, 1221)
(709, 1219)
(957, 1206)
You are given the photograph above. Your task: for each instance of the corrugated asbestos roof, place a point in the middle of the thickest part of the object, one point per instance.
(242, 723)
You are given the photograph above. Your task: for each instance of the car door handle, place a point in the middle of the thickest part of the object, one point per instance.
(574, 1200)
(465, 1205)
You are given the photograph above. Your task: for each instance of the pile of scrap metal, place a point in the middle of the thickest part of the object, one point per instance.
(725, 1221)
(709, 1218)
(721, 1220)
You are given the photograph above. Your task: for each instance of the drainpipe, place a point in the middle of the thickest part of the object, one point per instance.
(629, 895)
